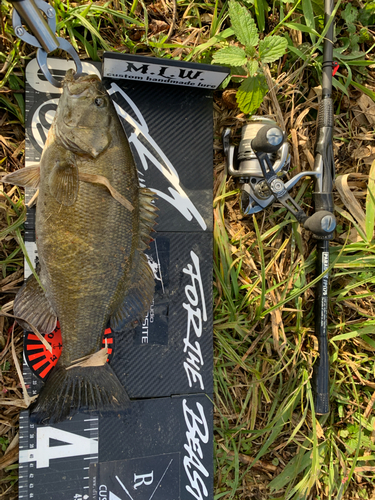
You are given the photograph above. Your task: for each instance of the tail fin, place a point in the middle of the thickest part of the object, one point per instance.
(80, 388)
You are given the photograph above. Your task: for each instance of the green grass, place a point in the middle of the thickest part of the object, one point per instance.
(266, 388)
(269, 443)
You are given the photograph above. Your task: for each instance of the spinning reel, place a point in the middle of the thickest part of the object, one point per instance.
(260, 162)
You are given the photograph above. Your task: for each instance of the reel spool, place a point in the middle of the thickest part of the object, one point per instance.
(243, 164)
(260, 162)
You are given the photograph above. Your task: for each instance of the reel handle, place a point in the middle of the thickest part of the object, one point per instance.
(321, 224)
(268, 139)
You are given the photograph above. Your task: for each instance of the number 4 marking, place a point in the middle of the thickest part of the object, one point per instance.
(43, 453)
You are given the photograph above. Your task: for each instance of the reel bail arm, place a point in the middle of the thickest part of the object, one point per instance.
(268, 140)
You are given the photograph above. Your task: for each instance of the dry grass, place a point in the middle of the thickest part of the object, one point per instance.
(264, 355)
(264, 343)
(11, 260)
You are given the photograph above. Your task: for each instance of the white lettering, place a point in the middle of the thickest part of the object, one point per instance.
(148, 150)
(146, 479)
(192, 368)
(197, 432)
(145, 330)
(153, 72)
(195, 317)
(152, 312)
(103, 492)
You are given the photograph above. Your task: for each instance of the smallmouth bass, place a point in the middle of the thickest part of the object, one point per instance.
(93, 222)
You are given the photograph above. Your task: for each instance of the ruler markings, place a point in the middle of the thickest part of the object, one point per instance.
(30, 476)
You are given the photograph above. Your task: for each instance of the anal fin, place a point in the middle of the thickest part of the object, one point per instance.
(32, 305)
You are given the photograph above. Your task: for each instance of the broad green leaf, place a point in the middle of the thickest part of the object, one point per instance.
(243, 24)
(88, 47)
(272, 48)
(250, 94)
(297, 464)
(350, 14)
(353, 55)
(365, 15)
(250, 51)
(232, 56)
(370, 203)
(252, 67)
(225, 83)
(238, 70)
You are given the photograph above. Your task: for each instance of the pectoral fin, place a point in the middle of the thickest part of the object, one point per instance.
(32, 305)
(25, 177)
(63, 182)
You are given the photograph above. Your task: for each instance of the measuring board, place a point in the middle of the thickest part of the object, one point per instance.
(161, 446)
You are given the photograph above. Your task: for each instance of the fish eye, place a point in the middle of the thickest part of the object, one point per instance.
(99, 101)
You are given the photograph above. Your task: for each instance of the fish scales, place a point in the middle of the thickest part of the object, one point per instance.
(92, 224)
(85, 248)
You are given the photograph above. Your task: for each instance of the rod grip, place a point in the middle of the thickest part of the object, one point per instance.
(325, 113)
(321, 367)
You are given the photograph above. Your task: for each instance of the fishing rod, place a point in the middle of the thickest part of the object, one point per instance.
(323, 200)
(262, 160)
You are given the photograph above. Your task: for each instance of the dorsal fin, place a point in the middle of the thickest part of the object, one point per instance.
(138, 297)
(147, 214)
(140, 291)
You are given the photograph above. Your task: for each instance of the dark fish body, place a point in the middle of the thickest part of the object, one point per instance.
(90, 246)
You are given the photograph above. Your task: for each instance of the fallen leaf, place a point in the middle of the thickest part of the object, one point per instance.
(350, 201)
(367, 105)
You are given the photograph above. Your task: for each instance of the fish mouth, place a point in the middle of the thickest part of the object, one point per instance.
(78, 128)
(81, 86)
